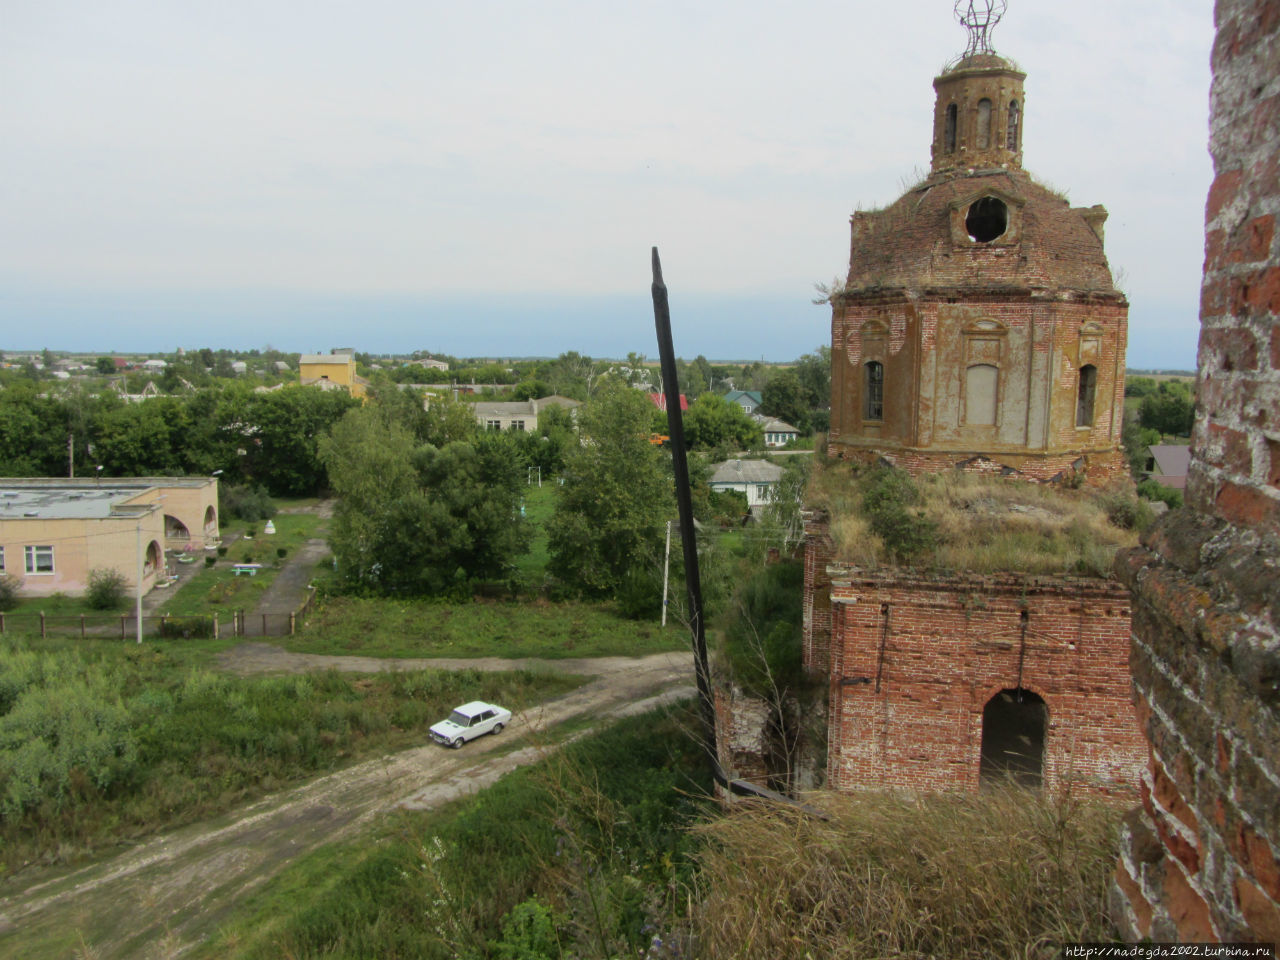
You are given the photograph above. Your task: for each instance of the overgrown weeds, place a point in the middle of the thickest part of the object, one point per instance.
(584, 855)
(111, 744)
(961, 521)
(1006, 873)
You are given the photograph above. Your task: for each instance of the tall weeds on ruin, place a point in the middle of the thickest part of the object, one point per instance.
(1007, 873)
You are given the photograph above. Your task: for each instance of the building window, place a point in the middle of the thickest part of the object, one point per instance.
(39, 560)
(493, 424)
(1, 559)
(984, 123)
(517, 425)
(949, 134)
(1014, 116)
(873, 394)
(981, 383)
(1084, 398)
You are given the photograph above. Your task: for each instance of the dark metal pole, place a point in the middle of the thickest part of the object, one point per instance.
(684, 503)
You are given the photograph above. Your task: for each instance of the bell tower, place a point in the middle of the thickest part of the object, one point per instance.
(979, 326)
(978, 116)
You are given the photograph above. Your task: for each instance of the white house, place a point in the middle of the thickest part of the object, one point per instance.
(758, 479)
(777, 433)
(518, 414)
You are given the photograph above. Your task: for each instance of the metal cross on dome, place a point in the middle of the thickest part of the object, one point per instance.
(980, 17)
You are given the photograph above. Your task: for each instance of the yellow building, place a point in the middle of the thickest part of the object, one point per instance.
(331, 371)
(54, 532)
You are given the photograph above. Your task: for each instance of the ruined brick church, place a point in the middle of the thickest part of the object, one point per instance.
(979, 331)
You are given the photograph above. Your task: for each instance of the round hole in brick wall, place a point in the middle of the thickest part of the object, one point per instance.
(987, 219)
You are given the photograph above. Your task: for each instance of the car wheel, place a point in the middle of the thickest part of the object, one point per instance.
(497, 728)
(457, 743)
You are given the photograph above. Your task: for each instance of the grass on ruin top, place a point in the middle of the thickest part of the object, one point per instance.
(379, 627)
(980, 523)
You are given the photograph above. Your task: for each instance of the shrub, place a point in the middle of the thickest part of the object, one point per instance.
(8, 592)
(906, 533)
(282, 552)
(186, 627)
(1154, 490)
(222, 551)
(246, 503)
(60, 732)
(762, 634)
(106, 588)
(210, 561)
(1128, 513)
(528, 933)
(640, 594)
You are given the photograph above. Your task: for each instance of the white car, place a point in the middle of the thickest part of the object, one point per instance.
(469, 721)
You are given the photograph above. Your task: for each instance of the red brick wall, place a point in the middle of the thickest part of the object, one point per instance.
(955, 642)
(1235, 473)
(816, 612)
(1199, 858)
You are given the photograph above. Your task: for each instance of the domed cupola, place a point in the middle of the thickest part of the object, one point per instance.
(979, 326)
(978, 115)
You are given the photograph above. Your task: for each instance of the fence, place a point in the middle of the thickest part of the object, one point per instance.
(237, 623)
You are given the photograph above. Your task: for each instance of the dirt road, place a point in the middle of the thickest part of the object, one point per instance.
(166, 895)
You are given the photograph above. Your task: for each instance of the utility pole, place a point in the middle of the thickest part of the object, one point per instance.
(666, 567)
(684, 502)
(138, 599)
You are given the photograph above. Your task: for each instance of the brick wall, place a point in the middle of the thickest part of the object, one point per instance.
(940, 648)
(1199, 858)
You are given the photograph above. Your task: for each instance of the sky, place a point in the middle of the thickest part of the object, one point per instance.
(487, 178)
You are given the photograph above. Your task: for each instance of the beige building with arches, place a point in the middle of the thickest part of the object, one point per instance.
(54, 532)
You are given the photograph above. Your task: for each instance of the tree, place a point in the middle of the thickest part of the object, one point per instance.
(282, 430)
(713, 421)
(1171, 409)
(416, 519)
(615, 496)
(785, 397)
(105, 365)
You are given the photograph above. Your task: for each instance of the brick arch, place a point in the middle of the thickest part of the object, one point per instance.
(993, 734)
(983, 695)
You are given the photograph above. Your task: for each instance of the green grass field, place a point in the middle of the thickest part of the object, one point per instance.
(415, 628)
(107, 743)
(539, 503)
(597, 832)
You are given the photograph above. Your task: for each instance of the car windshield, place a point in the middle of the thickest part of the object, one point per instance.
(461, 719)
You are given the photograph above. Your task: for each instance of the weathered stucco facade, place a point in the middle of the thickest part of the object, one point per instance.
(55, 532)
(979, 324)
(1200, 859)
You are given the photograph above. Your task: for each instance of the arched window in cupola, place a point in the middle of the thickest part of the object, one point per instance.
(984, 123)
(1015, 118)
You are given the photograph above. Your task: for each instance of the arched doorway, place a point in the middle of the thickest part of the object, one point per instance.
(152, 559)
(210, 524)
(1014, 725)
(175, 529)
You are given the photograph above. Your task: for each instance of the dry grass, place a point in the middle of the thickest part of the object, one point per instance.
(1003, 874)
(985, 524)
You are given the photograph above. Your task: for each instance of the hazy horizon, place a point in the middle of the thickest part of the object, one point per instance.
(400, 176)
